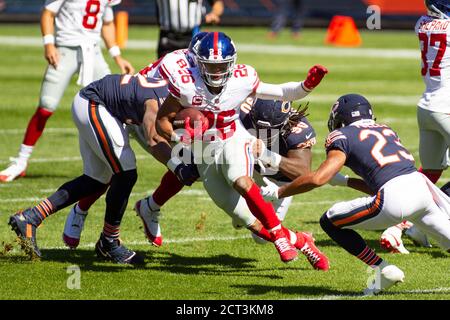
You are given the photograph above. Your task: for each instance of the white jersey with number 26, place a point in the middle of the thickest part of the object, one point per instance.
(222, 110)
(434, 37)
(78, 21)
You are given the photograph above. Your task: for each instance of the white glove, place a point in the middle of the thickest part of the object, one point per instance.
(339, 180)
(270, 190)
(267, 157)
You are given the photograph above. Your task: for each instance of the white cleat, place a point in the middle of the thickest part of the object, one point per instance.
(73, 227)
(150, 218)
(386, 276)
(16, 169)
(391, 240)
(418, 237)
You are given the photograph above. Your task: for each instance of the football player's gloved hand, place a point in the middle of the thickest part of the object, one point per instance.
(265, 157)
(191, 131)
(270, 190)
(339, 180)
(187, 173)
(315, 75)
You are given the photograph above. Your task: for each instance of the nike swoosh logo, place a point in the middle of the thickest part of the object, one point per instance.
(308, 135)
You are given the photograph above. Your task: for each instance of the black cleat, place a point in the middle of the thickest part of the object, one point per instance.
(26, 231)
(116, 252)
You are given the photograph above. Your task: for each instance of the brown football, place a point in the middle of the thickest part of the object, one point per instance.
(192, 113)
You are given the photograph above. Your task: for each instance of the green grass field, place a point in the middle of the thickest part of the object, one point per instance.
(203, 257)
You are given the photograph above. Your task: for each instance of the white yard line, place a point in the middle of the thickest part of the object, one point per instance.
(343, 296)
(166, 241)
(257, 49)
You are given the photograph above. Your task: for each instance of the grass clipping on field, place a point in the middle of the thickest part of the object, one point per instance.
(25, 245)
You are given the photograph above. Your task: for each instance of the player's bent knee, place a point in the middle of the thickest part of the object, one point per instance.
(326, 224)
(243, 184)
(126, 179)
(48, 103)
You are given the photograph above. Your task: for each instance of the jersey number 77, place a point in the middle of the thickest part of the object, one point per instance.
(431, 41)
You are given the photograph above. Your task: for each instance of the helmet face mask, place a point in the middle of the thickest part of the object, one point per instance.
(216, 57)
(216, 74)
(438, 8)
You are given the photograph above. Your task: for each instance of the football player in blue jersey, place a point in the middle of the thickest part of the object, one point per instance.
(374, 152)
(100, 112)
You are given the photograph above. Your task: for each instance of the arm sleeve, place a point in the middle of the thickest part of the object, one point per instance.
(288, 91)
(53, 5)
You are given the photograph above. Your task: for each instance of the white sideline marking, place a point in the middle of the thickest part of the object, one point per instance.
(47, 130)
(361, 296)
(181, 240)
(257, 48)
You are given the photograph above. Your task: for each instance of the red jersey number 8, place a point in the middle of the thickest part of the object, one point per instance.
(90, 18)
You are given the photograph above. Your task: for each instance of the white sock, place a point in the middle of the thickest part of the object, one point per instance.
(275, 228)
(152, 204)
(78, 210)
(293, 237)
(25, 152)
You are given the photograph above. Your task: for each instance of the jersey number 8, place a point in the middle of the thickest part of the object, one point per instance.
(90, 18)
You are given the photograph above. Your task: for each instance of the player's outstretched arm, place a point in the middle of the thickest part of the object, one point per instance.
(327, 170)
(47, 29)
(291, 91)
(109, 37)
(296, 164)
(166, 115)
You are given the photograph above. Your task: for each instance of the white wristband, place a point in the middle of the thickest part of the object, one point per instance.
(173, 163)
(48, 39)
(271, 158)
(114, 51)
(339, 180)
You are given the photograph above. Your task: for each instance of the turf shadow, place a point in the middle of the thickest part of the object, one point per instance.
(256, 289)
(223, 264)
(85, 259)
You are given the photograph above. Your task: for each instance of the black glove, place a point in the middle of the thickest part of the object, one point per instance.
(187, 173)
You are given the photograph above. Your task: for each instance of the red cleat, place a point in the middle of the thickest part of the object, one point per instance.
(316, 258)
(284, 247)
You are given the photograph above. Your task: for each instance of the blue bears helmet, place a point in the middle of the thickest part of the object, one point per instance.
(216, 57)
(270, 118)
(348, 109)
(438, 8)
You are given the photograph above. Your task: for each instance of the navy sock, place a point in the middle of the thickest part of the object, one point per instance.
(351, 241)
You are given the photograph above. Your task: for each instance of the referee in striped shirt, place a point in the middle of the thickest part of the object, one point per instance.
(179, 20)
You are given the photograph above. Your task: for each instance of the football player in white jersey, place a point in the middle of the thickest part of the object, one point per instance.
(218, 87)
(71, 32)
(173, 180)
(433, 110)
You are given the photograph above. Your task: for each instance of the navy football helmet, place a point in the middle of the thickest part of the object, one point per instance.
(438, 8)
(271, 116)
(348, 109)
(216, 57)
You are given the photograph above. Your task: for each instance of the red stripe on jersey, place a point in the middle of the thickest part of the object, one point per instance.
(174, 90)
(256, 85)
(216, 43)
(163, 72)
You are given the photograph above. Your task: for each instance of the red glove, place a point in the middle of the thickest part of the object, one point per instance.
(191, 131)
(315, 75)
